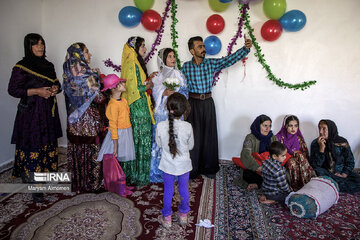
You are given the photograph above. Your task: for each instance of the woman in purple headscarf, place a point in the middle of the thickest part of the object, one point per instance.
(298, 165)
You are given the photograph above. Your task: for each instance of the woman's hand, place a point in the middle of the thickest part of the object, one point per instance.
(42, 92)
(168, 92)
(97, 70)
(54, 90)
(322, 144)
(153, 74)
(258, 170)
(149, 84)
(342, 175)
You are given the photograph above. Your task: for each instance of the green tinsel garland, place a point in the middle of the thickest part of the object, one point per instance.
(262, 60)
(174, 33)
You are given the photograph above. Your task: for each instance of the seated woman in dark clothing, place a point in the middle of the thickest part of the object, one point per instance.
(257, 141)
(331, 156)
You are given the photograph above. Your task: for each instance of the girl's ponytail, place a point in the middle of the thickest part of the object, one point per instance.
(172, 142)
(177, 105)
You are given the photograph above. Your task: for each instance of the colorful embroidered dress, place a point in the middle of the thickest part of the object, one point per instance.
(298, 165)
(161, 112)
(86, 121)
(141, 117)
(337, 158)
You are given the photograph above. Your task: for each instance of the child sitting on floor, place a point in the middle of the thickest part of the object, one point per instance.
(275, 187)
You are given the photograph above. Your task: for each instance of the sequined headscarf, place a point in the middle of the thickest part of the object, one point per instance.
(129, 61)
(291, 141)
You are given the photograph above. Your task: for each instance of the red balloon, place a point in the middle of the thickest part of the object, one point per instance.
(151, 20)
(215, 23)
(271, 30)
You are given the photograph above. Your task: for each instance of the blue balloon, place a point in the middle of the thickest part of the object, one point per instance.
(225, 1)
(130, 16)
(212, 45)
(293, 20)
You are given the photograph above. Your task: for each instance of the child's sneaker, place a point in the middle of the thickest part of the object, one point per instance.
(165, 221)
(182, 218)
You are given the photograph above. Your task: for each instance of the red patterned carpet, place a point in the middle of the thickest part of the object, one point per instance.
(235, 212)
(149, 200)
(239, 215)
(83, 216)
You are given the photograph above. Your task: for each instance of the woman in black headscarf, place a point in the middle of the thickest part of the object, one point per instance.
(37, 123)
(331, 156)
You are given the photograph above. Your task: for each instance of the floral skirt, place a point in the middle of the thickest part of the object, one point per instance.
(300, 170)
(27, 160)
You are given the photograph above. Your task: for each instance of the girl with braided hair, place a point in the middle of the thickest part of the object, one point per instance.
(175, 138)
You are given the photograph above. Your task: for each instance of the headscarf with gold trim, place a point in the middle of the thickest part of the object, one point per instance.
(128, 72)
(37, 66)
(81, 84)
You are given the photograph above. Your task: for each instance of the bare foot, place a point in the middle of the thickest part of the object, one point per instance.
(252, 186)
(262, 198)
(267, 201)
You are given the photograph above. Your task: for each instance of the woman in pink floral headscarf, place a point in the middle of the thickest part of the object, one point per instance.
(298, 165)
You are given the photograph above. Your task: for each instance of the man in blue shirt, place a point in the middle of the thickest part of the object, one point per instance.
(199, 73)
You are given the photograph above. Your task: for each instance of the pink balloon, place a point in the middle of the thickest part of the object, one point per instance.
(215, 24)
(271, 30)
(151, 20)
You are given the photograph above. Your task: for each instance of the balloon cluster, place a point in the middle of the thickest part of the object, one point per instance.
(215, 24)
(131, 16)
(291, 21)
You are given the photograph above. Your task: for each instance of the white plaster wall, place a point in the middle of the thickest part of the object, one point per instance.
(326, 50)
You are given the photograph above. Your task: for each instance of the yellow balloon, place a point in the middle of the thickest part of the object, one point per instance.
(218, 6)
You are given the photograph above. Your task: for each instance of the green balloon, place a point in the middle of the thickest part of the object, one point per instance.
(274, 9)
(218, 6)
(144, 5)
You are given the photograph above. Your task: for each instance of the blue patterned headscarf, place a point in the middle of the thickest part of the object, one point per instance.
(81, 84)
